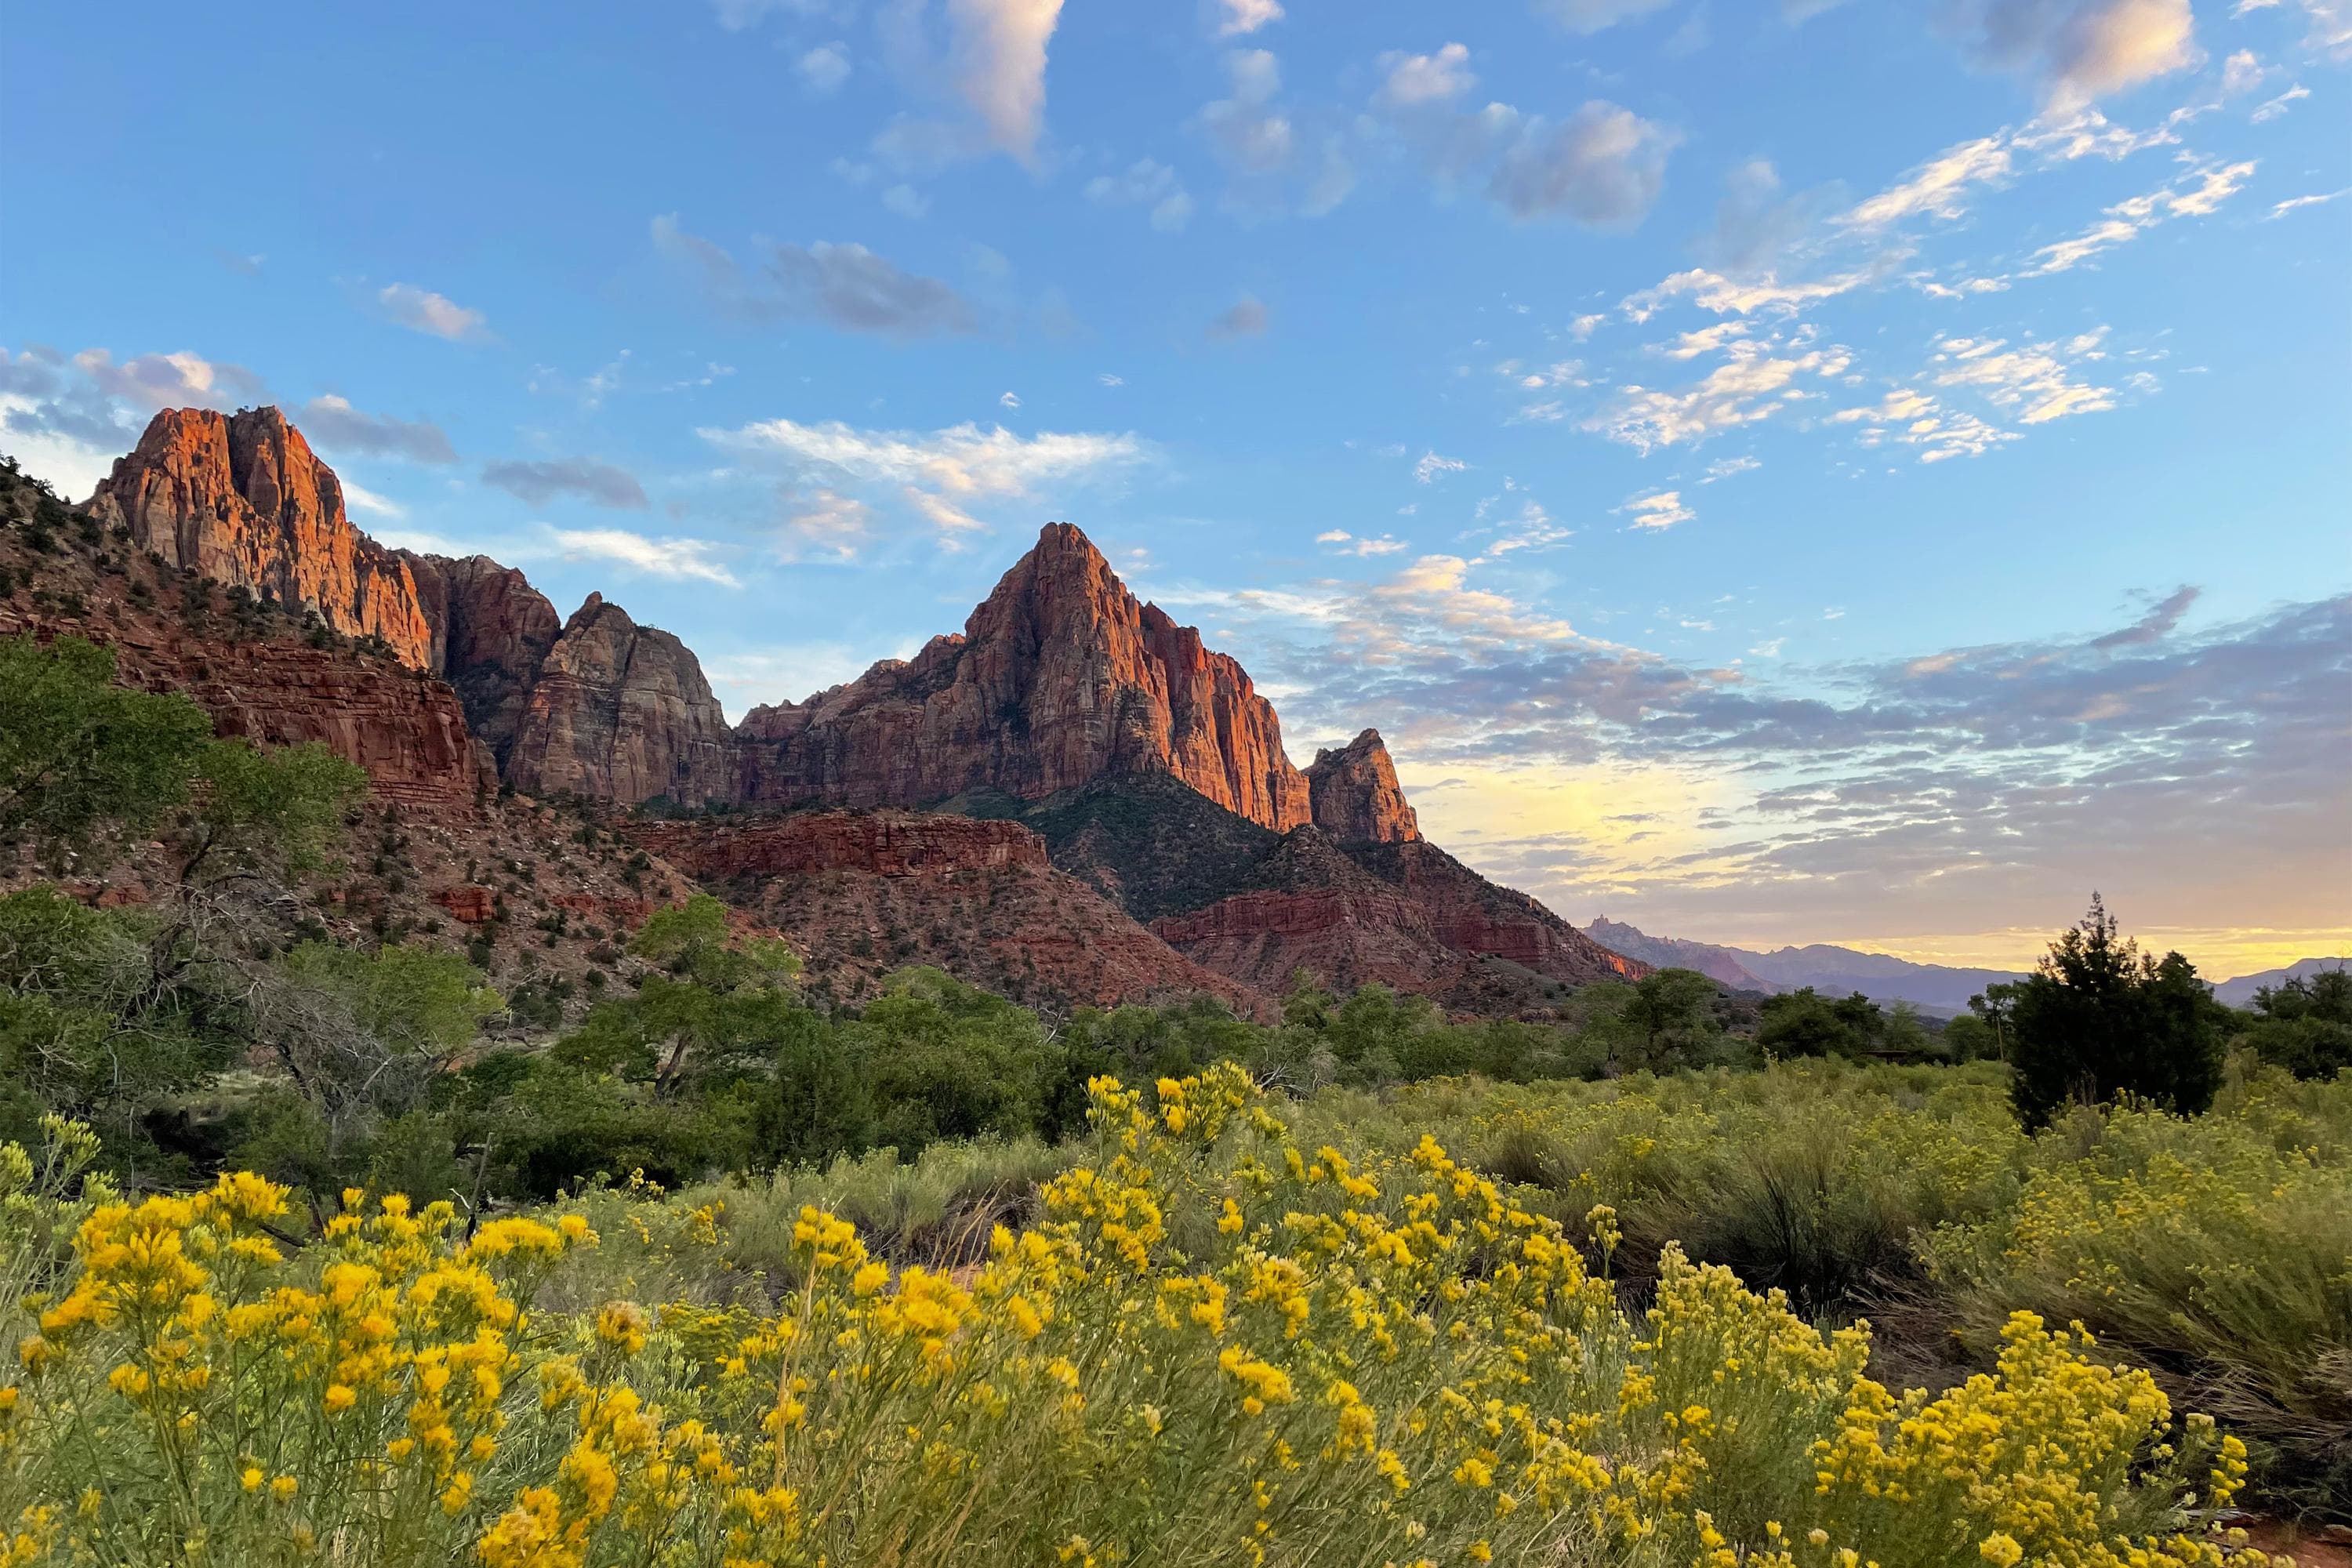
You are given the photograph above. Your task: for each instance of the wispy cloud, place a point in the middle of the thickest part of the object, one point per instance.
(939, 475)
(684, 560)
(436, 315)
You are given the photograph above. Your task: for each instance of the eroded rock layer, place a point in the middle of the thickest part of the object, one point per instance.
(878, 843)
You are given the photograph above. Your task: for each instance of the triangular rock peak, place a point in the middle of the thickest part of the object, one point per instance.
(1357, 797)
(1061, 676)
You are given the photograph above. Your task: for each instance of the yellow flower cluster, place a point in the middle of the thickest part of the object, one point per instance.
(1213, 1346)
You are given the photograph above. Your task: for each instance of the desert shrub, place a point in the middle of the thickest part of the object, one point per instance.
(1282, 1354)
(2215, 1248)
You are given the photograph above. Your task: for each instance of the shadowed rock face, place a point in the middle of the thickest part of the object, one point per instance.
(241, 499)
(1061, 677)
(620, 712)
(1356, 795)
(491, 634)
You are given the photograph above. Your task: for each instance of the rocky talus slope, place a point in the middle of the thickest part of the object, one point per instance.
(860, 893)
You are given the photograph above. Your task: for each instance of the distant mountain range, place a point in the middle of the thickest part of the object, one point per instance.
(2240, 993)
(1933, 988)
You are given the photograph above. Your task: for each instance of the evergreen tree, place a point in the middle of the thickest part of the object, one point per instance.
(2099, 1019)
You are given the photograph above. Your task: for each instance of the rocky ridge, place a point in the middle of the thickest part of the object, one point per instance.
(861, 893)
(1104, 686)
(250, 664)
(1150, 765)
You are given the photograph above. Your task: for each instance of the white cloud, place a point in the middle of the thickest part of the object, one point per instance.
(906, 200)
(2035, 381)
(1713, 291)
(824, 68)
(1754, 385)
(1109, 380)
(2292, 204)
(150, 382)
(359, 499)
(1346, 543)
(2329, 30)
(2198, 194)
(681, 559)
(422, 310)
(1236, 17)
(1656, 509)
(825, 522)
(1415, 79)
(939, 475)
(1431, 465)
(1705, 340)
(2272, 109)
(2242, 72)
(1938, 187)
(1724, 467)
(1146, 182)
(997, 52)
(1009, 400)
(1246, 128)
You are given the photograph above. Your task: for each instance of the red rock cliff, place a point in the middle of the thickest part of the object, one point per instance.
(1061, 677)
(880, 843)
(1356, 795)
(491, 634)
(241, 499)
(620, 712)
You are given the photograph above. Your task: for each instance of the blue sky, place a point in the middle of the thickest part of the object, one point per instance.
(1854, 471)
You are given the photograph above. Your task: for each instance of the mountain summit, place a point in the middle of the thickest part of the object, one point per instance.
(1060, 677)
(241, 499)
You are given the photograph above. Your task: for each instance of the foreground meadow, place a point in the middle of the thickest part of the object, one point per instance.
(1229, 1331)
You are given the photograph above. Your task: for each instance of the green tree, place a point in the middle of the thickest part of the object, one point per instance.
(1670, 1020)
(2098, 1019)
(1803, 1023)
(2305, 1024)
(269, 811)
(79, 754)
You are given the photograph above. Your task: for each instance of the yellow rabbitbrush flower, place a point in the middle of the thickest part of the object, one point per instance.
(1213, 1346)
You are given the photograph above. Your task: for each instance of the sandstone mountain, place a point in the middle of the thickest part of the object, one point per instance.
(621, 713)
(248, 661)
(1059, 679)
(1357, 797)
(1174, 843)
(491, 634)
(241, 499)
